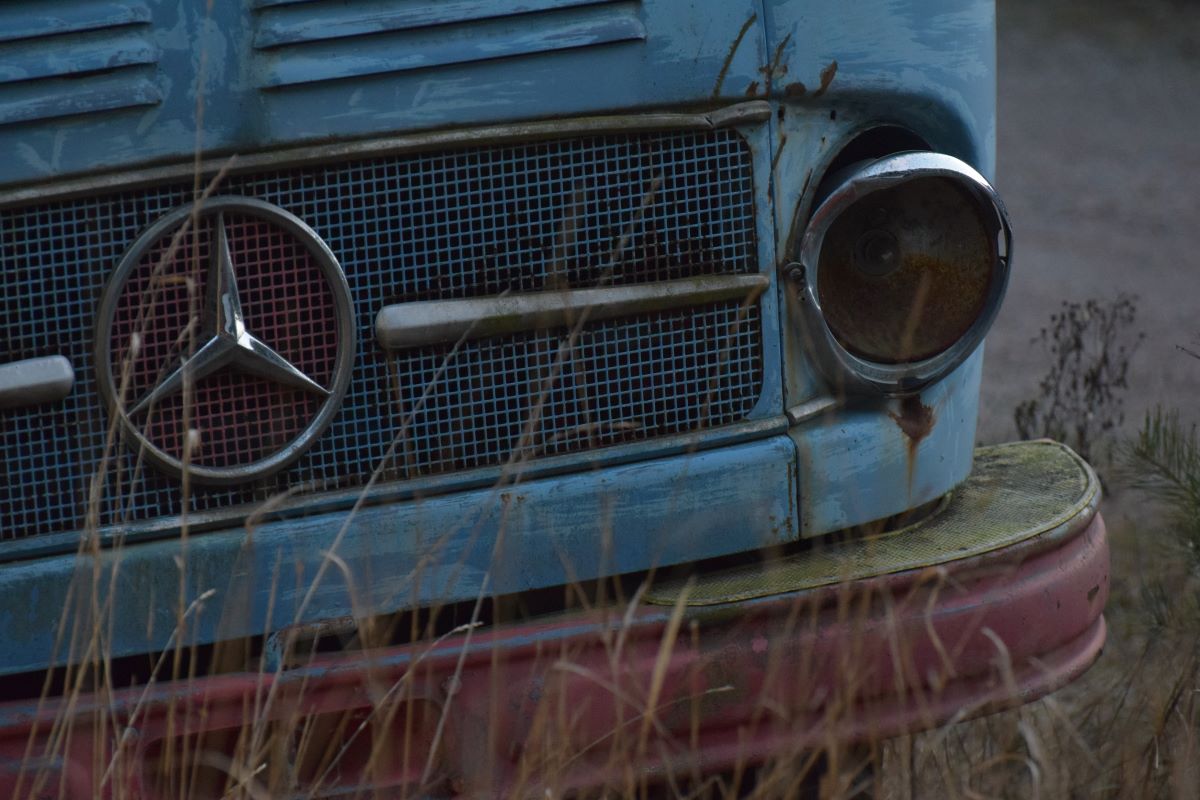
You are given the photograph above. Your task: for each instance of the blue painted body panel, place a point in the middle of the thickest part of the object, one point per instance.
(269, 74)
(230, 76)
(930, 64)
(543, 533)
(857, 465)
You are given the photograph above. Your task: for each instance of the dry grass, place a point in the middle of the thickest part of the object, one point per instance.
(1126, 729)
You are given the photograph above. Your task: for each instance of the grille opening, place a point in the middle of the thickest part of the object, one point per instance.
(441, 225)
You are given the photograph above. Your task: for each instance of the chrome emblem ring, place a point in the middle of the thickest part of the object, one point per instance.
(225, 340)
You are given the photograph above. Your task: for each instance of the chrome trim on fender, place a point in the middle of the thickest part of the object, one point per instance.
(844, 368)
(754, 111)
(34, 381)
(436, 321)
(812, 408)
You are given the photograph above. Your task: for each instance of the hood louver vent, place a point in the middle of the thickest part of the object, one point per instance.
(322, 40)
(75, 58)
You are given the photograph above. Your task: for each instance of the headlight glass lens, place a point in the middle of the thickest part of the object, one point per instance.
(905, 271)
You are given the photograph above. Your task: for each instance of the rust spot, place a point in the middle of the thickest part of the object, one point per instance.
(752, 89)
(826, 78)
(737, 41)
(774, 69)
(795, 89)
(915, 420)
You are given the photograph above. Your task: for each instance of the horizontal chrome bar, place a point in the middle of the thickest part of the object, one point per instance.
(436, 321)
(750, 112)
(35, 381)
(812, 408)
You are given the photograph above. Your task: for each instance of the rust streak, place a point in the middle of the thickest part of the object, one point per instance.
(772, 71)
(778, 152)
(752, 89)
(732, 51)
(916, 421)
(826, 78)
(794, 233)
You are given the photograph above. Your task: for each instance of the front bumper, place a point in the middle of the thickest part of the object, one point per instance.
(994, 601)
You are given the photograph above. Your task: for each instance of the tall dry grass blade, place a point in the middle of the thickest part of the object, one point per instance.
(658, 674)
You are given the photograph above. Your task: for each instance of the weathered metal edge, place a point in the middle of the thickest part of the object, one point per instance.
(754, 111)
(293, 506)
(1053, 532)
(377, 560)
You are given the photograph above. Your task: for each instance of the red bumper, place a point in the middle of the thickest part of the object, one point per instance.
(594, 698)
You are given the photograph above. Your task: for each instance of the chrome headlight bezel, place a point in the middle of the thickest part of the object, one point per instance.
(849, 371)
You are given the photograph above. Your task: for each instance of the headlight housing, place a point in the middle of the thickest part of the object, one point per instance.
(905, 264)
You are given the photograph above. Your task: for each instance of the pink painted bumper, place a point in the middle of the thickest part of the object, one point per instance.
(583, 699)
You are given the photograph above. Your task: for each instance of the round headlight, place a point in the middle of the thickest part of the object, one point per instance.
(906, 261)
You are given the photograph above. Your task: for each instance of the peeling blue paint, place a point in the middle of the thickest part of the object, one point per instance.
(444, 549)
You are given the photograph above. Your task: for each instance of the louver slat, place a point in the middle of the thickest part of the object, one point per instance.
(313, 42)
(76, 58)
(33, 20)
(310, 23)
(89, 52)
(64, 97)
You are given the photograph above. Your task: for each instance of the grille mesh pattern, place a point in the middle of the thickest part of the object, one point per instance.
(577, 212)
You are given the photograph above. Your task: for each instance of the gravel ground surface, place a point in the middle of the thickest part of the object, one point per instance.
(1099, 164)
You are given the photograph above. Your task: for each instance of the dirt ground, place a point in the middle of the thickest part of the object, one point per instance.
(1099, 164)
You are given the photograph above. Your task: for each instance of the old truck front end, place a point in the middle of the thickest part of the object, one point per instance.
(495, 398)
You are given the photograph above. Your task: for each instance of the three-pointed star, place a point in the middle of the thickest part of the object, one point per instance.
(229, 343)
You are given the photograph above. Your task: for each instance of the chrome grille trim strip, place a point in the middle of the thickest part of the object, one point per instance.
(438, 321)
(35, 381)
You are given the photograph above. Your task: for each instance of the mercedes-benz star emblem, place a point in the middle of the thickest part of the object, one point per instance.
(225, 340)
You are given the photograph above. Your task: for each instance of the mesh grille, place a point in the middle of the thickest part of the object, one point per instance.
(467, 223)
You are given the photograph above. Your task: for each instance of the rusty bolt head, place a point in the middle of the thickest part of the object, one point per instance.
(794, 273)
